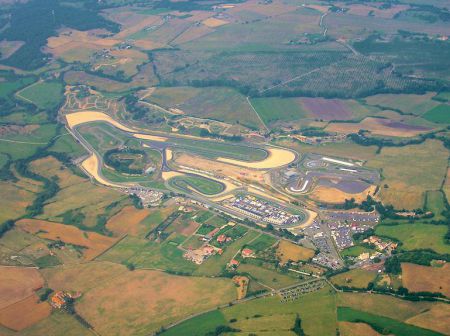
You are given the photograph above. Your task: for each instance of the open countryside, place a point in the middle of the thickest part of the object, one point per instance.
(206, 168)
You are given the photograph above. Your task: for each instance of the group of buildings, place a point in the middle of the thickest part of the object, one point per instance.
(148, 197)
(262, 210)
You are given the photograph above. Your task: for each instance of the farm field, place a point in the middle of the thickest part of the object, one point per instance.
(433, 319)
(146, 298)
(205, 168)
(93, 242)
(268, 315)
(419, 278)
(439, 114)
(16, 197)
(403, 172)
(270, 278)
(407, 103)
(272, 110)
(45, 95)
(27, 140)
(356, 278)
(380, 127)
(417, 236)
(56, 324)
(435, 202)
(355, 251)
(216, 264)
(287, 251)
(214, 103)
(390, 325)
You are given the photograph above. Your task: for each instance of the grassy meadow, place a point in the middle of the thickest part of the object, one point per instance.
(417, 236)
(404, 182)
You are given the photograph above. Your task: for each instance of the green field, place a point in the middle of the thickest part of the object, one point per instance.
(269, 277)
(67, 144)
(355, 251)
(279, 109)
(356, 278)
(417, 236)
(216, 264)
(439, 114)
(268, 316)
(203, 216)
(199, 184)
(382, 324)
(407, 103)
(216, 103)
(262, 243)
(23, 145)
(444, 96)
(45, 95)
(12, 84)
(200, 325)
(24, 118)
(164, 256)
(435, 202)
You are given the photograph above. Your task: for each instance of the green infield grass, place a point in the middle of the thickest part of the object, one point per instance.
(199, 184)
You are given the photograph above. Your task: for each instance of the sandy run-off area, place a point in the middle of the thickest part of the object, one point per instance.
(91, 166)
(78, 118)
(277, 157)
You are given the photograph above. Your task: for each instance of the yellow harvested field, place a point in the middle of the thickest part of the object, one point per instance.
(78, 118)
(148, 44)
(91, 166)
(136, 27)
(150, 299)
(213, 22)
(288, 251)
(72, 40)
(375, 126)
(127, 220)
(356, 329)
(18, 283)
(335, 196)
(277, 157)
(435, 319)
(383, 305)
(150, 137)
(15, 199)
(93, 242)
(266, 9)
(25, 313)
(81, 277)
(357, 278)
(418, 278)
(168, 175)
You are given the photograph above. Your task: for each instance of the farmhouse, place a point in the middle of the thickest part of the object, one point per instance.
(247, 253)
